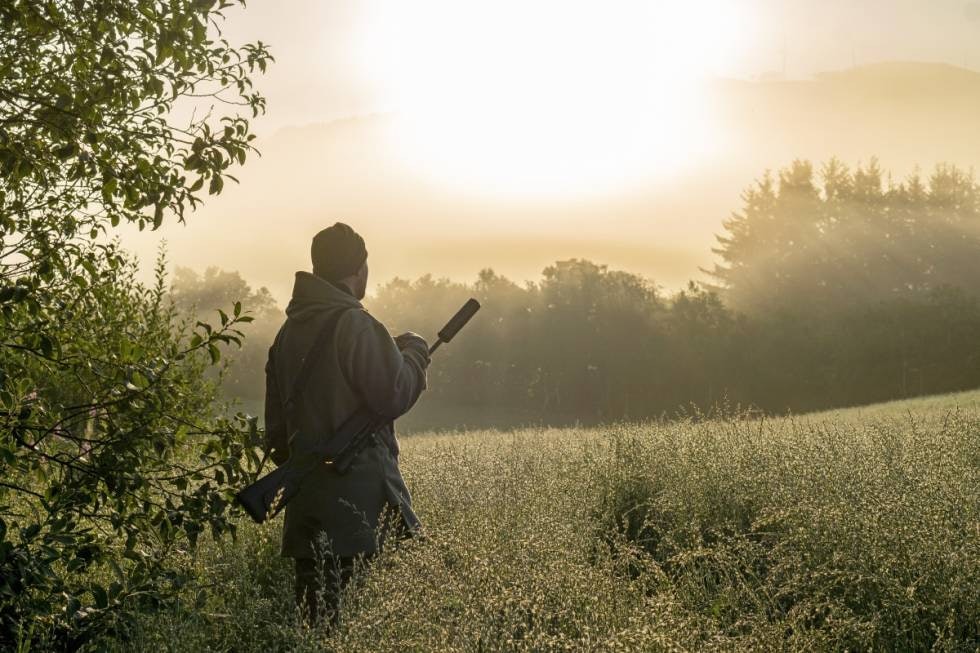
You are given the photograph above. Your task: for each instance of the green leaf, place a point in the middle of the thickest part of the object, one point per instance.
(46, 345)
(100, 597)
(109, 189)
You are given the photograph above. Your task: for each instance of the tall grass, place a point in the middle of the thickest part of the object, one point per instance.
(858, 531)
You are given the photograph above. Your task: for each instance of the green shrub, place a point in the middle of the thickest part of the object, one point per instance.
(112, 459)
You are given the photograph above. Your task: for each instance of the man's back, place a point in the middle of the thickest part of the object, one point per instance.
(359, 366)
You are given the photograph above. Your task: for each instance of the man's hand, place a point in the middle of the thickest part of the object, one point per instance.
(413, 342)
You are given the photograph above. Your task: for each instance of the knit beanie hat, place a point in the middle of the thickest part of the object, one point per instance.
(337, 252)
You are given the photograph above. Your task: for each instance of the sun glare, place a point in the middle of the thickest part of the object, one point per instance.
(535, 97)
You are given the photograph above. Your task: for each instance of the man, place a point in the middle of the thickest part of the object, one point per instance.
(337, 519)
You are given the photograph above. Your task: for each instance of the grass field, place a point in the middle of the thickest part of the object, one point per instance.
(856, 530)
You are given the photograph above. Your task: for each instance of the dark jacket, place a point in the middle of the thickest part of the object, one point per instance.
(361, 366)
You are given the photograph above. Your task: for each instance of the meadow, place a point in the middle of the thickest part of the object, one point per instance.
(849, 530)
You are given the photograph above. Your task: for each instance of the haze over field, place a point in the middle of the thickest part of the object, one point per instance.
(454, 142)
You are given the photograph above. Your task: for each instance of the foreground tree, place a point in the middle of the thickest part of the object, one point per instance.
(108, 457)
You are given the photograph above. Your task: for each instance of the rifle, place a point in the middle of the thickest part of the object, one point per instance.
(264, 498)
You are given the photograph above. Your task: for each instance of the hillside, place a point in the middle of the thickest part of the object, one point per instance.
(968, 402)
(907, 114)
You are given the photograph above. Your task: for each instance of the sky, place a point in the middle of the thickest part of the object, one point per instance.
(460, 135)
(323, 47)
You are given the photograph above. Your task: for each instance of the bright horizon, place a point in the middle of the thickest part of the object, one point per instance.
(550, 99)
(549, 130)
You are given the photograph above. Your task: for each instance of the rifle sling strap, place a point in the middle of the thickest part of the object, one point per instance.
(313, 355)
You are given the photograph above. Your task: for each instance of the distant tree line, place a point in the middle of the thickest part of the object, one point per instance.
(834, 289)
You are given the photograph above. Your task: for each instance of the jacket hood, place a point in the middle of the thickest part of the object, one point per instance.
(313, 296)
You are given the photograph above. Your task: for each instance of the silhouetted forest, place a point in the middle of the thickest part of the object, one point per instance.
(834, 288)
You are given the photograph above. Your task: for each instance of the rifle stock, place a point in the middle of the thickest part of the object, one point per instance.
(259, 498)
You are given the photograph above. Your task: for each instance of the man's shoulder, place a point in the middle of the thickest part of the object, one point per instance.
(357, 318)
(358, 321)
(344, 322)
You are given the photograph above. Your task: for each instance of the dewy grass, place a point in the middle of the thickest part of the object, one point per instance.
(857, 530)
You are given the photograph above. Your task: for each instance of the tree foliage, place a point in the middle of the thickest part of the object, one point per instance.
(849, 239)
(109, 457)
(585, 343)
(197, 296)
